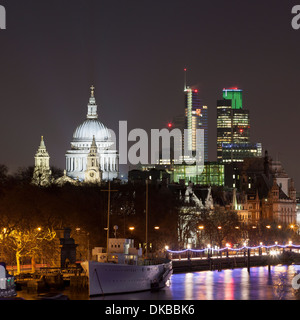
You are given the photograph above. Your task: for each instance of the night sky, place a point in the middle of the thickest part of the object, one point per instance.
(134, 53)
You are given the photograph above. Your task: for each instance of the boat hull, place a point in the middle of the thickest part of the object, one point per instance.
(110, 278)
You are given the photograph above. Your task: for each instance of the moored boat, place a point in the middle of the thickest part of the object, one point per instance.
(122, 269)
(7, 283)
(114, 278)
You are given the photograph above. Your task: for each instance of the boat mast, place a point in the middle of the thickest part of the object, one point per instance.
(146, 218)
(108, 209)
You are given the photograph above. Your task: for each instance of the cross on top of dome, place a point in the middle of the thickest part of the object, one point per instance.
(92, 91)
(92, 107)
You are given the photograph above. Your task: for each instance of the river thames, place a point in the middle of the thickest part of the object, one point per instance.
(229, 284)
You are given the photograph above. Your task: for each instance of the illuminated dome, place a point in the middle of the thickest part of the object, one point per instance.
(90, 128)
(92, 131)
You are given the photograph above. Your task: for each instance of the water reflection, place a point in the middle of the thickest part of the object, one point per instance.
(236, 284)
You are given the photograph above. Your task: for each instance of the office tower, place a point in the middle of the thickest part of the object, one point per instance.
(213, 174)
(233, 129)
(196, 117)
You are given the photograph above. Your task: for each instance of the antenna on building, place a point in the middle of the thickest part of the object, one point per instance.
(185, 71)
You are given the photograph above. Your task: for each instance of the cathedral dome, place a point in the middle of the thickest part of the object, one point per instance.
(90, 128)
(92, 157)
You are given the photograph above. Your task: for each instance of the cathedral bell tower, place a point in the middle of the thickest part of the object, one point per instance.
(93, 173)
(42, 172)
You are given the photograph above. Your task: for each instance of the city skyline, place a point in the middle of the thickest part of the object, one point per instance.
(135, 54)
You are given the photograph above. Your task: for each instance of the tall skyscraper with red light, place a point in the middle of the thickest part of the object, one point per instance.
(196, 117)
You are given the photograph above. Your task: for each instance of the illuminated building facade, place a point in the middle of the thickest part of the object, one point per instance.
(77, 157)
(233, 129)
(196, 117)
(42, 173)
(91, 159)
(237, 152)
(265, 192)
(212, 174)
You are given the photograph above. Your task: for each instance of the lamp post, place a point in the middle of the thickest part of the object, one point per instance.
(83, 238)
(220, 242)
(200, 228)
(131, 229)
(166, 250)
(189, 247)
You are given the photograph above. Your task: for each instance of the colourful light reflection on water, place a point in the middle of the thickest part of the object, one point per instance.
(236, 284)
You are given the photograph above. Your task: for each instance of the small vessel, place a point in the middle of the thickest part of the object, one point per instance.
(122, 269)
(126, 272)
(7, 283)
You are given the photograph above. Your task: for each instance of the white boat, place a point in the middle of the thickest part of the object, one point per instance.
(114, 278)
(122, 269)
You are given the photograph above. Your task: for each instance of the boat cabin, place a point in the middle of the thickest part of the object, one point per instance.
(120, 251)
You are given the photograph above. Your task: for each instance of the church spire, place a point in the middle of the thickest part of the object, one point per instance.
(42, 145)
(92, 107)
(93, 173)
(42, 171)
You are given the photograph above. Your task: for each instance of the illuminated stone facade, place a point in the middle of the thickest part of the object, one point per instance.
(77, 156)
(42, 173)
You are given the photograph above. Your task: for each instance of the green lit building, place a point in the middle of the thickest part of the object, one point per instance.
(236, 97)
(212, 174)
(233, 129)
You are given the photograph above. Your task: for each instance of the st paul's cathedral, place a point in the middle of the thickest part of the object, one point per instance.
(92, 157)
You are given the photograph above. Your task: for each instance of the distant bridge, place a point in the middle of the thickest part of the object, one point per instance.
(218, 259)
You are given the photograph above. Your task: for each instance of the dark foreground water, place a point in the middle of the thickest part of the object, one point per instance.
(229, 284)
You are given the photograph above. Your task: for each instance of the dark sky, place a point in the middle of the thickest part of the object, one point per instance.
(134, 52)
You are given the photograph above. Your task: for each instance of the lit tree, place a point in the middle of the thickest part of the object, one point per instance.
(26, 241)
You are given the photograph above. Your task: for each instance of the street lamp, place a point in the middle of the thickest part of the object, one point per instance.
(166, 250)
(201, 228)
(131, 229)
(188, 247)
(208, 250)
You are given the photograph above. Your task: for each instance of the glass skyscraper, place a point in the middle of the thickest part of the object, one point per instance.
(196, 117)
(233, 129)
